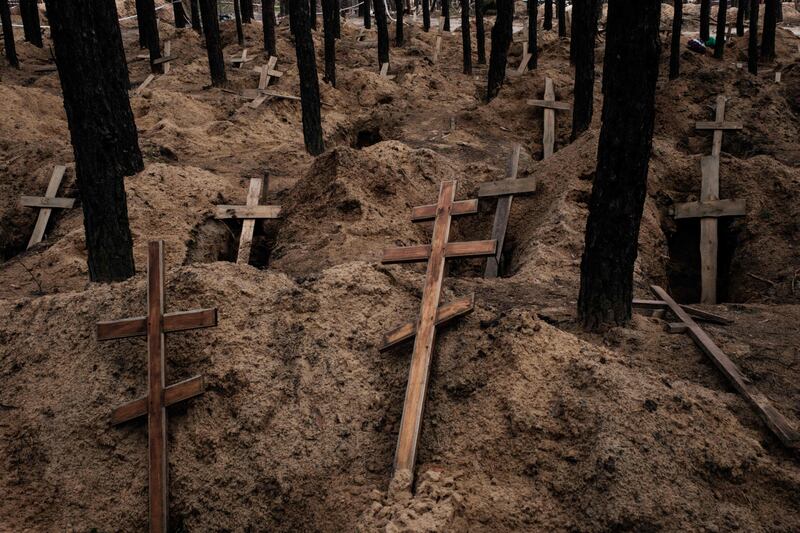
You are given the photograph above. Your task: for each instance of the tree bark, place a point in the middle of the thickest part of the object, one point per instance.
(8, 34)
(31, 28)
(752, 45)
(584, 24)
(501, 40)
(620, 184)
(268, 22)
(309, 83)
(338, 19)
(561, 5)
(216, 61)
(398, 30)
(368, 17)
(705, 20)
(237, 15)
(196, 25)
(94, 81)
(770, 26)
(383, 32)
(722, 14)
(446, 14)
(330, 41)
(533, 50)
(480, 32)
(140, 25)
(465, 37)
(740, 12)
(312, 14)
(426, 15)
(675, 46)
(150, 27)
(548, 15)
(179, 13)
(248, 12)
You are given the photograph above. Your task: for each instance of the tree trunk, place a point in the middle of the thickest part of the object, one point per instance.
(548, 15)
(150, 27)
(330, 41)
(675, 47)
(247, 11)
(501, 40)
(338, 19)
(383, 32)
(740, 12)
(8, 34)
(620, 184)
(398, 30)
(312, 14)
(309, 84)
(480, 32)
(237, 15)
(196, 25)
(752, 45)
(533, 50)
(465, 37)
(140, 25)
(268, 22)
(722, 14)
(31, 28)
(94, 82)
(584, 24)
(446, 14)
(216, 62)
(770, 25)
(705, 19)
(180, 14)
(368, 17)
(426, 15)
(561, 5)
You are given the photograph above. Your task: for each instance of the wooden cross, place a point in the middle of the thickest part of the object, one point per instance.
(504, 190)
(158, 397)
(266, 73)
(526, 55)
(241, 60)
(771, 416)
(710, 207)
(385, 72)
(163, 60)
(430, 314)
(249, 212)
(46, 204)
(550, 107)
(438, 44)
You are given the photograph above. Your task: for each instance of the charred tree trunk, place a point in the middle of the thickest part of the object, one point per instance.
(620, 184)
(501, 40)
(740, 13)
(8, 34)
(770, 26)
(94, 81)
(247, 11)
(383, 32)
(196, 25)
(675, 46)
(237, 14)
(309, 84)
(368, 17)
(705, 20)
(752, 45)
(268, 19)
(216, 62)
(584, 24)
(533, 49)
(330, 41)
(180, 14)
(446, 14)
(480, 32)
(31, 28)
(338, 19)
(426, 15)
(561, 5)
(722, 14)
(312, 14)
(150, 27)
(398, 30)
(140, 25)
(465, 36)
(548, 15)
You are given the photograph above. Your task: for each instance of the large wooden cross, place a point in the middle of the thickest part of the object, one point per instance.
(504, 190)
(771, 416)
(710, 207)
(430, 314)
(158, 397)
(550, 107)
(250, 212)
(266, 73)
(46, 204)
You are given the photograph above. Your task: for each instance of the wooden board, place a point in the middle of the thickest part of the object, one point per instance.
(247, 211)
(501, 214)
(44, 214)
(507, 187)
(719, 126)
(547, 104)
(422, 252)
(710, 208)
(445, 313)
(694, 312)
(709, 245)
(137, 326)
(45, 202)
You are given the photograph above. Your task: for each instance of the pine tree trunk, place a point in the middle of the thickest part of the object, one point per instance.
(237, 15)
(399, 38)
(309, 83)
(216, 61)
(465, 37)
(268, 22)
(31, 28)
(330, 41)
(584, 24)
(480, 32)
(150, 27)
(383, 32)
(94, 82)
(247, 11)
(675, 46)
(548, 15)
(620, 184)
(770, 26)
(446, 14)
(501, 40)
(196, 25)
(561, 5)
(533, 50)
(180, 14)
(140, 25)
(426, 15)
(312, 14)
(705, 20)
(752, 44)
(722, 14)
(740, 11)
(338, 19)
(368, 17)
(8, 34)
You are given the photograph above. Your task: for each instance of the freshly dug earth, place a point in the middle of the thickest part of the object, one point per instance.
(530, 424)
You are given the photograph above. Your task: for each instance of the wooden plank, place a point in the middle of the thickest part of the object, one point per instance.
(145, 83)
(45, 68)
(44, 214)
(709, 244)
(507, 187)
(137, 326)
(778, 76)
(547, 104)
(719, 126)
(384, 69)
(549, 139)
(406, 254)
(413, 254)
(710, 208)
(501, 214)
(771, 416)
(246, 211)
(445, 313)
(249, 225)
(676, 327)
(424, 213)
(167, 52)
(173, 394)
(45, 202)
(697, 314)
(165, 59)
(436, 49)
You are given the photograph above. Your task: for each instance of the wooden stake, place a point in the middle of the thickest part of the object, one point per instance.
(550, 106)
(46, 204)
(249, 213)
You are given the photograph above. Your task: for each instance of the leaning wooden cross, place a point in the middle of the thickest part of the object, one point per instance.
(710, 207)
(46, 204)
(771, 416)
(504, 190)
(239, 62)
(165, 60)
(266, 73)
(430, 314)
(437, 47)
(159, 397)
(250, 212)
(550, 107)
(526, 55)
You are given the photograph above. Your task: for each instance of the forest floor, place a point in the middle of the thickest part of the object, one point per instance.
(530, 423)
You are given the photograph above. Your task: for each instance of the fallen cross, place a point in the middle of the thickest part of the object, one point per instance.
(46, 204)
(771, 416)
(550, 106)
(504, 190)
(165, 60)
(158, 397)
(249, 213)
(430, 314)
(266, 73)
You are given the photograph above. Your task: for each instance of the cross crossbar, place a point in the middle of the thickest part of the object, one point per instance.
(422, 252)
(694, 312)
(445, 313)
(425, 213)
(710, 208)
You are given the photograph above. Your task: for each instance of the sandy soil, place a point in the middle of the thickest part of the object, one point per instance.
(531, 423)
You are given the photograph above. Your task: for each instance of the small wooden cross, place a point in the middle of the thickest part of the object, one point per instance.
(266, 73)
(249, 212)
(526, 55)
(771, 416)
(241, 60)
(504, 190)
(158, 397)
(437, 47)
(46, 204)
(165, 60)
(550, 107)
(431, 314)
